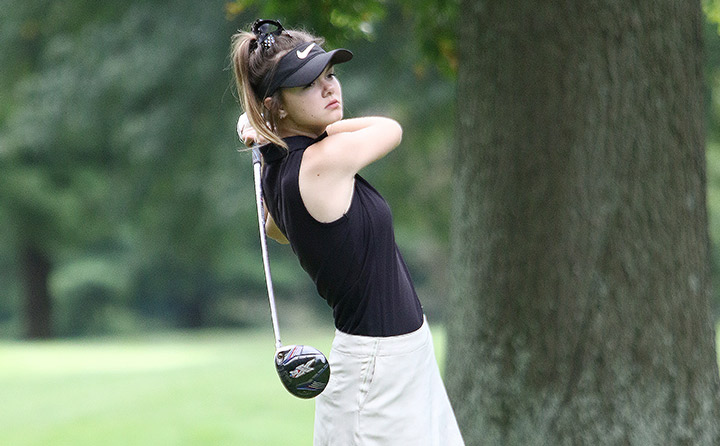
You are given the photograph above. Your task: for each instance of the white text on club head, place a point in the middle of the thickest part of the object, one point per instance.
(302, 369)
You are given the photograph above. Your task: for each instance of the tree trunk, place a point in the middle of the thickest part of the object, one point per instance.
(38, 305)
(580, 242)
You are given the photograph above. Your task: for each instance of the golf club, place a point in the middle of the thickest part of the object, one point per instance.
(303, 370)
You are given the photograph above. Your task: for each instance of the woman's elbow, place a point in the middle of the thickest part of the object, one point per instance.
(395, 132)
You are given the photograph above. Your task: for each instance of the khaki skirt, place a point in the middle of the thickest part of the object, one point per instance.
(385, 391)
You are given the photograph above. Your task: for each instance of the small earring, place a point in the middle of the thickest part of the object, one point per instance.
(283, 115)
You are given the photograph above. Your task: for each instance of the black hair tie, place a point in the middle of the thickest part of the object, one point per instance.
(265, 31)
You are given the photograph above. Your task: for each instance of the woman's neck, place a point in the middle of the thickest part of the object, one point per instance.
(286, 131)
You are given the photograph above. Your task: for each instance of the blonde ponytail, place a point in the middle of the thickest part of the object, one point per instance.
(250, 66)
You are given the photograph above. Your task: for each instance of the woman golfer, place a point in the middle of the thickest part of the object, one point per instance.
(385, 387)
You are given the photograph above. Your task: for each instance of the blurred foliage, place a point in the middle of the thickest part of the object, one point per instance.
(337, 21)
(119, 147)
(711, 8)
(430, 24)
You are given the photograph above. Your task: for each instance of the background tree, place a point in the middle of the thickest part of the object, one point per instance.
(115, 163)
(580, 243)
(50, 197)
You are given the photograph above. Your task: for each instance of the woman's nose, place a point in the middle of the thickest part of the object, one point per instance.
(328, 86)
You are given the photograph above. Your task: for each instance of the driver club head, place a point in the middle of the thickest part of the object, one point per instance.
(303, 370)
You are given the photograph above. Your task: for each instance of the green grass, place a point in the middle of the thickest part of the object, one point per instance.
(207, 388)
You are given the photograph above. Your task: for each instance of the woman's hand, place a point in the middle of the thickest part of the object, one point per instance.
(247, 133)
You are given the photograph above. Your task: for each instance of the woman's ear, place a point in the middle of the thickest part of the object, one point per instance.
(268, 102)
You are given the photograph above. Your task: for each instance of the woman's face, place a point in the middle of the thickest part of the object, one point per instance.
(312, 108)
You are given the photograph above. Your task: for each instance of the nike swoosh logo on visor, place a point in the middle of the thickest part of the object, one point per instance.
(303, 54)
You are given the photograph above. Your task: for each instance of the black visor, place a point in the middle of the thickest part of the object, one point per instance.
(300, 67)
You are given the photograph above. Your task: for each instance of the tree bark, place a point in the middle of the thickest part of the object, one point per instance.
(38, 305)
(580, 244)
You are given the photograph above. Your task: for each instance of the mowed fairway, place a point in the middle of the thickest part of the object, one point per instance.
(209, 388)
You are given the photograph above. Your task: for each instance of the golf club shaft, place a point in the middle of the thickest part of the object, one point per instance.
(263, 244)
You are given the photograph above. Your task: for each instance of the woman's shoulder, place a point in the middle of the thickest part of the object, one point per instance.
(272, 152)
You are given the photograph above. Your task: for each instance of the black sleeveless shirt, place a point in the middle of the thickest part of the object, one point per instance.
(354, 260)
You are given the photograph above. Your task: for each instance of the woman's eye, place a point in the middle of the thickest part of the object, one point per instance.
(313, 83)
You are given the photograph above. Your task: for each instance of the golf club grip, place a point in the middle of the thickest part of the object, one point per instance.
(263, 244)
